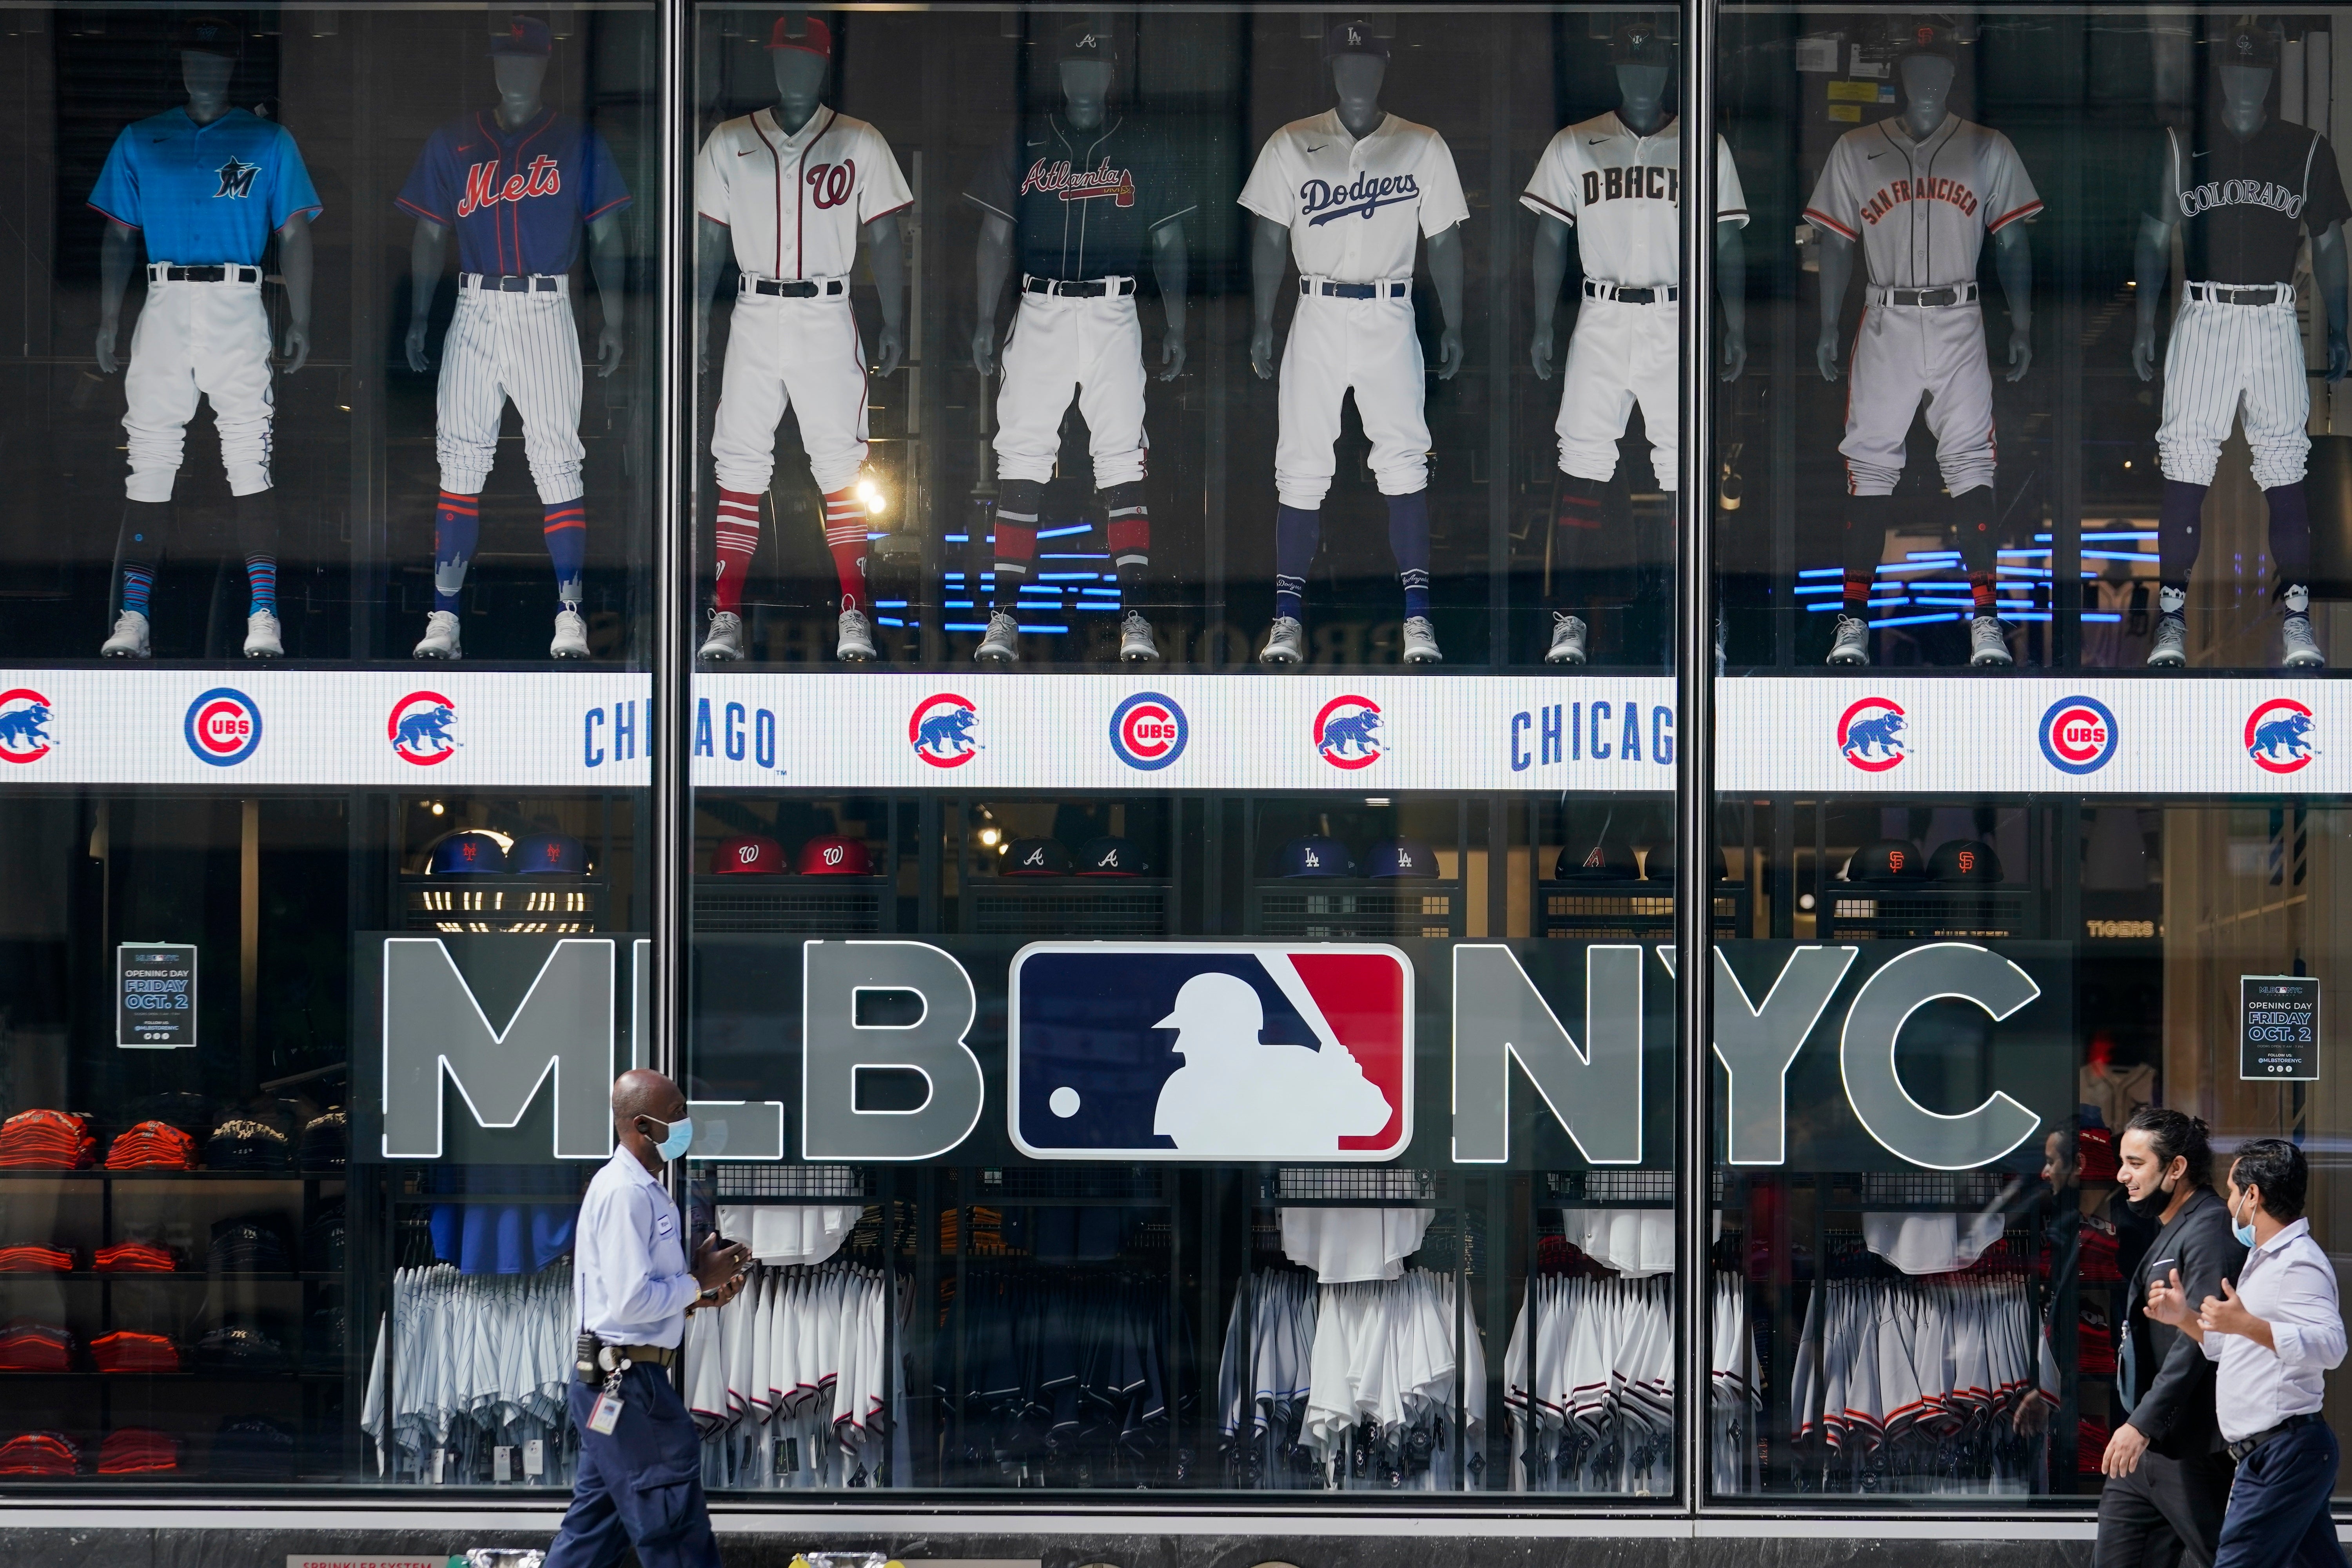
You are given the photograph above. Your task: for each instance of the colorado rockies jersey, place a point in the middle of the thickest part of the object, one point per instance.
(516, 198)
(1623, 193)
(1922, 209)
(2241, 201)
(1083, 203)
(205, 195)
(795, 202)
(1352, 207)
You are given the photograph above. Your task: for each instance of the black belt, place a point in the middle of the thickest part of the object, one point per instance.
(2214, 294)
(638, 1355)
(206, 274)
(1355, 290)
(1080, 288)
(1598, 291)
(2245, 1446)
(512, 283)
(792, 290)
(1931, 298)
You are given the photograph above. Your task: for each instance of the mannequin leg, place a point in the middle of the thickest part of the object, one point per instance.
(1297, 533)
(1409, 543)
(1018, 503)
(146, 524)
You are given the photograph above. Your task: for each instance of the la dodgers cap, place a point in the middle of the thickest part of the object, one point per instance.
(2248, 45)
(548, 855)
(1605, 860)
(469, 853)
(210, 36)
(1084, 41)
(1110, 855)
(1314, 856)
(1033, 858)
(1926, 38)
(1640, 44)
(834, 855)
(1401, 857)
(1886, 860)
(747, 855)
(523, 35)
(1355, 38)
(1964, 860)
(815, 37)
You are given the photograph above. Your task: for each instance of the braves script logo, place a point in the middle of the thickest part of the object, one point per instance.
(484, 188)
(419, 728)
(236, 180)
(2078, 735)
(1322, 201)
(24, 725)
(941, 730)
(1148, 731)
(1348, 732)
(1872, 725)
(1081, 184)
(2278, 736)
(830, 184)
(1895, 192)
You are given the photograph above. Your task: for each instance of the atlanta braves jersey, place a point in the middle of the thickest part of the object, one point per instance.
(2242, 201)
(794, 202)
(1083, 204)
(205, 195)
(1354, 208)
(516, 198)
(1922, 209)
(1624, 194)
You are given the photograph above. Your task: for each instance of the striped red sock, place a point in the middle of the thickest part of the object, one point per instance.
(845, 536)
(737, 535)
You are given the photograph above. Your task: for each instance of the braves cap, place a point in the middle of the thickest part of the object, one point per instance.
(1314, 856)
(1401, 857)
(1926, 38)
(834, 855)
(747, 855)
(1887, 860)
(1084, 41)
(1110, 855)
(523, 35)
(472, 853)
(1355, 38)
(1605, 860)
(2248, 45)
(548, 855)
(1033, 858)
(1964, 860)
(1640, 44)
(816, 36)
(210, 36)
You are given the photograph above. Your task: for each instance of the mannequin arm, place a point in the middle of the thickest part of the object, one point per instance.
(990, 265)
(2013, 259)
(1551, 270)
(1445, 274)
(425, 253)
(609, 260)
(2152, 268)
(1270, 255)
(887, 254)
(294, 266)
(2327, 266)
(116, 256)
(1837, 271)
(712, 241)
(1171, 264)
(1731, 289)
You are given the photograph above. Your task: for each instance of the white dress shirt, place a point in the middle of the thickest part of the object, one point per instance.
(628, 1263)
(2288, 1283)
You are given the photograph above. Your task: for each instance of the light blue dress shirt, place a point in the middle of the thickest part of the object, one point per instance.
(628, 1266)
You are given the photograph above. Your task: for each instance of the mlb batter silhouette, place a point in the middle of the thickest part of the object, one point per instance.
(1236, 1096)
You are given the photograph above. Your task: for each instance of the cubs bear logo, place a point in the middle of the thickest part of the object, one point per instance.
(223, 727)
(419, 728)
(2078, 734)
(944, 729)
(1870, 735)
(2278, 736)
(1348, 732)
(24, 725)
(1148, 731)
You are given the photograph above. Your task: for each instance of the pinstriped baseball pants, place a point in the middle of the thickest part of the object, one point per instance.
(2221, 356)
(520, 346)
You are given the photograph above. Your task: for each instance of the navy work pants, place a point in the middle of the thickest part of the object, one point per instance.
(2278, 1515)
(641, 1486)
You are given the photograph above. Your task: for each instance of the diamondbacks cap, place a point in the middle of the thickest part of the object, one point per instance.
(210, 36)
(526, 36)
(1658, 864)
(815, 37)
(834, 855)
(1605, 860)
(1033, 858)
(2248, 45)
(472, 853)
(548, 855)
(1640, 44)
(1355, 38)
(1314, 856)
(1887, 860)
(1401, 857)
(1964, 860)
(747, 855)
(1926, 38)
(1110, 855)
(1084, 41)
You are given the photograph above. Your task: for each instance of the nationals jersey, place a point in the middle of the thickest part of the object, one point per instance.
(205, 195)
(1353, 207)
(795, 202)
(1922, 209)
(2241, 201)
(516, 198)
(1624, 194)
(1084, 203)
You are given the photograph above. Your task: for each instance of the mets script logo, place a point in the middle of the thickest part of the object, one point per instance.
(1148, 730)
(223, 727)
(419, 728)
(24, 725)
(943, 729)
(1082, 185)
(830, 184)
(1322, 201)
(236, 180)
(1348, 732)
(2078, 735)
(1870, 735)
(2278, 736)
(484, 188)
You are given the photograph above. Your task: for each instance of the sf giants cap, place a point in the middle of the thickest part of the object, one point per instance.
(1640, 44)
(834, 855)
(1964, 860)
(1887, 860)
(1084, 41)
(2248, 45)
(1926, 38)
(523, 35)
(210, 36)
(748, 854)
(472, 853)
(1355, 38)
(548, 855)
(815, 37)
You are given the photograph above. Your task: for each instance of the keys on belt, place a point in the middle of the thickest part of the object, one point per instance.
(793, 288)
(1079, 288)
(2222, 294)
(164, 272)
(512, 283)
(1325, 286)
(1594, 289)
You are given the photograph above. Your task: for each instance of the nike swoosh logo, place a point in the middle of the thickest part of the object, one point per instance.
(1875, 157)
(745, 152)
(1595, 141)
(1314, 149)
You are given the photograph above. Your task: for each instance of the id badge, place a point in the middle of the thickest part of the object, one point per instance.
(607, 1413)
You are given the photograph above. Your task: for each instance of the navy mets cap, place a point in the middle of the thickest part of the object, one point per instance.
(548, 855)
(471, 853)
(1401, 857)
(523, 35)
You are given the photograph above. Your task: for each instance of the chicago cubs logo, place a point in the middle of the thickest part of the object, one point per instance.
(2278, 736)
(1348, 732)
(830, 184)
(223, 727)
(1148, 730)
(24, 725)
(1870, 735)
(2078, 735)
(943, 729)
(418, 729)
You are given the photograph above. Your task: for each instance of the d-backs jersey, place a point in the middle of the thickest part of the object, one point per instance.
(794, 202)
(2242, 201)
(516, 198)
(1624, 194)
(1083, 204)
(1353, 206)
(208, 194)
(1922, 209)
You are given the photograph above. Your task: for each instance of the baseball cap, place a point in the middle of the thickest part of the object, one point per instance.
(1314, 856)
(1110, 855)
(747, 855)
(523, 35)
(1605, 860)
(1886, 860)
(469, 853)
(1964, 860)
(1926, 38)
(834, 855)
(548, 855)
(1355, 38)
(2248, 45)
(1401, 857)
(1640, 44)
(1033, 858)
(815, 37)
(1084, 41)
(210, 36)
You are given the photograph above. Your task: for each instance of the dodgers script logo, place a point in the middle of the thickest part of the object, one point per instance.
(223, 727)
(1210, 1051)
(2278, 736)
(419, 728)
(1321, 201)
(943, 729)
(24, 725)
(1148, 730)
(1348, 732)
(1870, 735)
(2078, 735)
(1058, 178)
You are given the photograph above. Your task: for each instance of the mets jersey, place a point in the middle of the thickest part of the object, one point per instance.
(794, 202)
(1624, 194)
(1355, 209)
(205, 195)
(2242, 201)
(516, 198)
(1921, 209)
(1083, 203)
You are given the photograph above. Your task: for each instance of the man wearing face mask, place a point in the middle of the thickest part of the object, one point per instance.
(640, 1456)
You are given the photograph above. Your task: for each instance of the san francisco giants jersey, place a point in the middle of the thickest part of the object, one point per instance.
(794, 202)
(205, 195)
(1084, 203)
(1922, 209)
(1355, 209)
(516, 198)
(2242, 201)
(1624, 194)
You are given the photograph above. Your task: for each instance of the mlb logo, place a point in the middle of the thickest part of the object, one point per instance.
(1210, 1051)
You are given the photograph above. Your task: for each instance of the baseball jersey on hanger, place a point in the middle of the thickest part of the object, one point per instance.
(794, 202)
(1084, 203)
(1921, 209)
(516, 198)
(1624, 194)
(1354, 208)
(206, 195)
(2242, 201)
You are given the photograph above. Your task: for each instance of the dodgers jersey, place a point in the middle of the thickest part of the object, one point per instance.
(205, 195)
(1922, 209)
(2241, 201)
(794, 202)
(516, 198)
(1083, 203)
(1352, 207)
(1624, 194)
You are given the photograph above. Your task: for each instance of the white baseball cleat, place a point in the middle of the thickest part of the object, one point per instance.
(2301, 651)
(441, 638)
(1566, 638)
(1002, 643)
(1136, 644)
(261, 638)
(723, 644)
(855, 644)
(570, 635)
(1286, 642)
(2170, 650)
(1988, 644)
(1852, 644)
(1420, 641)
(129, 638)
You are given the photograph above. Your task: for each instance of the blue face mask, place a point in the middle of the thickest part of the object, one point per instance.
(2244, 1232)
(681, 1134)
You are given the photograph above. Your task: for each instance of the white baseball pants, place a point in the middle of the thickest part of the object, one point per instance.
(799, 353)
(1905, 353)
(198, 341)
(1336, 346)
(1619, 354)
(520, 346)
(2223, 357)
(1092, 344)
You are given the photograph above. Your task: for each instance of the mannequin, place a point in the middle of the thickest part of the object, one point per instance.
(204, 330)
(1316, 180)
(2242, 343)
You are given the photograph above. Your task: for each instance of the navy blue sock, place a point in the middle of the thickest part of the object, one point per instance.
(1297, 530)
(2290, 533)
(2179, 537)
(1409, 542)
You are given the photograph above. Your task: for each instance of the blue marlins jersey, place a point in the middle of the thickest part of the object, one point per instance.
(205, 195)
(516, 198)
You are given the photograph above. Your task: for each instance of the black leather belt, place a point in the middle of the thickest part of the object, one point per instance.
(638, 1355)
(1598, 291)
(796, 289)
(2245, 1446)
(170, 274)
(2215, 294)
(512, 283)
(1355, 290)
(1932, 298)
(1080, 288)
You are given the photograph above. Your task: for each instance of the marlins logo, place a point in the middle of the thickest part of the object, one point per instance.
(944, 729)
(2078, 735)
(1348, 732)
(1148, 731)
(24, 725)
(2278, 736)
(223, 727)
(1870, 735)
(1210, 1051)
(236, 180)
(419, 728)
